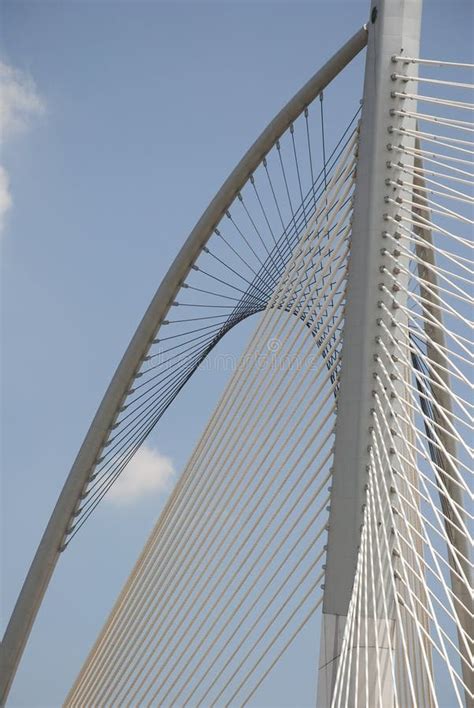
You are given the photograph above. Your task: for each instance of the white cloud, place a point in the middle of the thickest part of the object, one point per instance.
(19, 102)
(5, 196)
(147, 473)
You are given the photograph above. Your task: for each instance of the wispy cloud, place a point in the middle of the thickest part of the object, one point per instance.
(19, 103)
(5, 195)
(149, 472)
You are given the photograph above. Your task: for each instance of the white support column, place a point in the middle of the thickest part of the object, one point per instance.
(394, 29)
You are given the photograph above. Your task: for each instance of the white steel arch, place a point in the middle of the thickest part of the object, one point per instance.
(52, 542)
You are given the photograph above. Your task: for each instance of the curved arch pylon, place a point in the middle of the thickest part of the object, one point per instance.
(51, 544)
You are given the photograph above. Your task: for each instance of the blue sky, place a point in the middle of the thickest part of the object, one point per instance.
(142, 109)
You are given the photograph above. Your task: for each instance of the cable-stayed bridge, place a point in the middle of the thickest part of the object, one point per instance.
(333, 477)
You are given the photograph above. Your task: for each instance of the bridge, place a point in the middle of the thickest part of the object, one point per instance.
(333, 477)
